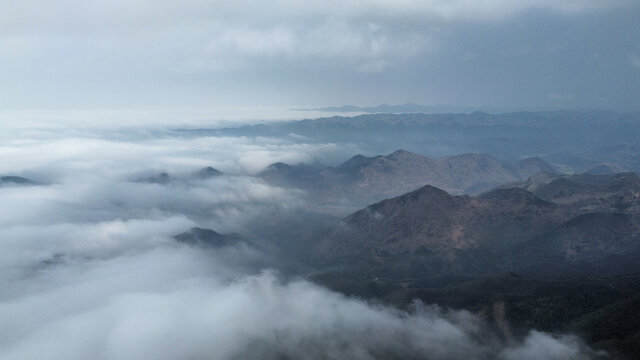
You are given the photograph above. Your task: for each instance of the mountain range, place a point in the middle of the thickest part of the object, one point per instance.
(553, 253)
(572, 223)
(397, 109)
(362, 180)
(573, 141)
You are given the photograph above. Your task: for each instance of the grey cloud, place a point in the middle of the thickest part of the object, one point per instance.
(194, 53)
(91, 208)
(34, 245)
(85, 153)
(170, 310)
(542, 346)
(226, 202)
(68, 15)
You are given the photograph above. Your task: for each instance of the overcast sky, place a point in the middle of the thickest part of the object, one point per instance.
(170, 54)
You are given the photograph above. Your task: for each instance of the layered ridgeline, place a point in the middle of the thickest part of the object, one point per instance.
(554, 253)
(575, 140)
(568, 225)
(362, 180)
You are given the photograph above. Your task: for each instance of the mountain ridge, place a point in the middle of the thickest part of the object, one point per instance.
(440, 232)
(362, 179)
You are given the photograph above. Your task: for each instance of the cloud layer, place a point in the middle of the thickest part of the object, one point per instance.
(172, 303)
(171, 309)
(89, 269)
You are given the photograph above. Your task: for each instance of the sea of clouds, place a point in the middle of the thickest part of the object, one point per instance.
(89, 268)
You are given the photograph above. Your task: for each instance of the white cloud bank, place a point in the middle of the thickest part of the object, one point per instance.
(172, 303)
(88, 268)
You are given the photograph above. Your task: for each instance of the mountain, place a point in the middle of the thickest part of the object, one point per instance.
(15, 180)
(587, 192)
(573, 141)
(394, 109)
(591, 244)
(429, 232)
(207, 173)
(532, 182)
(564, 256)
(531, 166)
(606, 169)
(573, 223)
(474, 173)
(208, 238)
(361, 180)
(161, 178)
(164, 178)
(302, 176)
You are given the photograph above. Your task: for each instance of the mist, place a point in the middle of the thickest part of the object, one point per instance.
(181, 305)
(90, 269)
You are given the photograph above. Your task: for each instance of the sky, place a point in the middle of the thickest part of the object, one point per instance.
(197, 54)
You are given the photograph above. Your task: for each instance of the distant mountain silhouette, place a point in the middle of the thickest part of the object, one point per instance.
(574, 140)
(398, 109)
(361, 180)
(207, 173)
(587, 192)
(606, 169)
(164, 178)
(16, 180)
(208, 238)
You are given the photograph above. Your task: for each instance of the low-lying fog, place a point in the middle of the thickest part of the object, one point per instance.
(89, 269)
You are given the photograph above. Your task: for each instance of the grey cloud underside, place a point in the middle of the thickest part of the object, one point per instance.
(495, 54)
